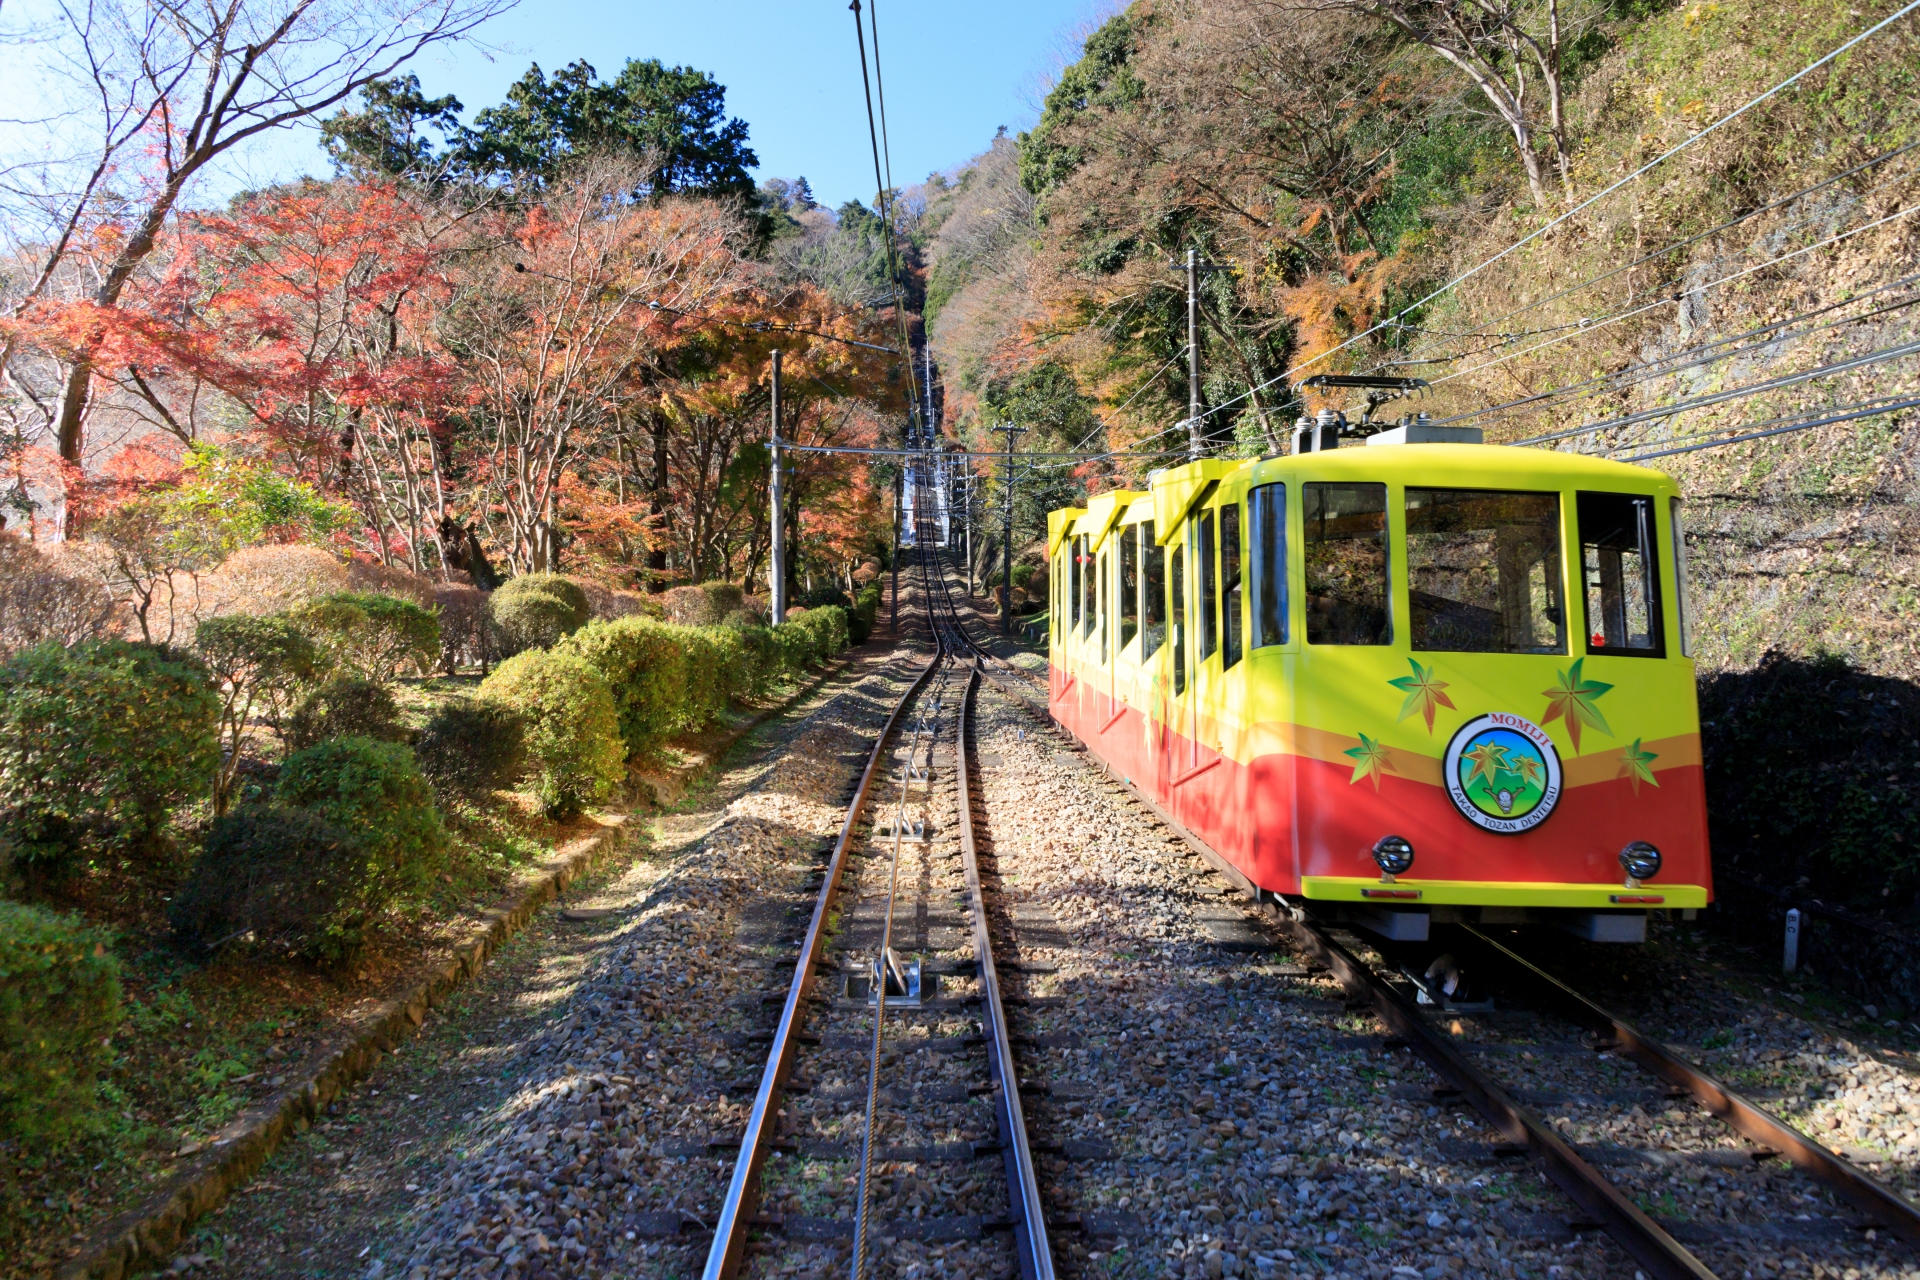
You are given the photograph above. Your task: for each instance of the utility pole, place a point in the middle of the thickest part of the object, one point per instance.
(967, 485)
(777, 584)
(1194, 445)
(1006, 550)
(894, 559)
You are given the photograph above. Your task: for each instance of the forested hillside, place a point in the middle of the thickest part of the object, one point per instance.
(1339, 163)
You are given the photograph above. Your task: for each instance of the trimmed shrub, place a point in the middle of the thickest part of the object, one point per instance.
(644, 664)
(372, 577)
(466, 630)
(255, 662)
(98, 744)
(829, 626)
(39, 601)
(59, 1004)
(372, 635)
(535, 610)
(762, 659)
(706, 686)
(572, 727)
(374, 791)
(294, 881)
(472, 747)
(346, 707)
(866, 608)
(269, 579)
(799, 648)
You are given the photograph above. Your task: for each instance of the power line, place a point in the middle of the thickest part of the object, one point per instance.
(1682, 243)
(1658, 160)
(884, 201)
(1681, 296)
(1777, 431)
(1739, 393)
(1704, 354)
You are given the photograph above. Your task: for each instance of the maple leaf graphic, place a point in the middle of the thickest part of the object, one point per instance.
(1531, 771)
(1573, 698)
(1423, 693)
(1369, 759)
(1636, 765)
(1489, 759)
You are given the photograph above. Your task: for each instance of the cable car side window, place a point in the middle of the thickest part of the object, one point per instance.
(1346, 554)
(1155, 591)
(1208, 575)
(1230, 585)
(1129, 584)
(1086, 586)
(1483, 571)
(1058, 594)
(1267, 536)
(1106, 603)
(1177, 594)
(1680, 581)
(1618, 563)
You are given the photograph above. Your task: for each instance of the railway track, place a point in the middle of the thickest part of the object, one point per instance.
(1600, 1203)
(874, 1027)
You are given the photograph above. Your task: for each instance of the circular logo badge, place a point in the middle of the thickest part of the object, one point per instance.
(1503, 773)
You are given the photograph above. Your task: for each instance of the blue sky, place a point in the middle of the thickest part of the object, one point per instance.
(954, 72)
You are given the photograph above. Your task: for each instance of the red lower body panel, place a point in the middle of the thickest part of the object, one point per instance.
(1281, 817)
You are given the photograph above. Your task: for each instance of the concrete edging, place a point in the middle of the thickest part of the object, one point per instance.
(148, 1234)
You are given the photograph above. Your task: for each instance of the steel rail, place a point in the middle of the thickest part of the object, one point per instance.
(1023, 1184)
(1663, 1257)
(735, 1219)
(1644, 1239)
(1872, 1197)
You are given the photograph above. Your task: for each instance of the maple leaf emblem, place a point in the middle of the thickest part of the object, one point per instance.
(1531, 771)
(1573, 698)
(1424, 693)
(1369, 758)
(1489, 759)
(1636, 765)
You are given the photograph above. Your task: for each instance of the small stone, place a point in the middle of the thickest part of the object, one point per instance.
(1437, 1220)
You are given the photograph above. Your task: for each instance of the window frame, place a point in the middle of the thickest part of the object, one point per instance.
(1656, 604)
(1177, 610)
(1128, 613)
(1203, 529)
(1558, 561)
(1258, 570)
(1392, 572)
(1153, 590)
(1233, 586)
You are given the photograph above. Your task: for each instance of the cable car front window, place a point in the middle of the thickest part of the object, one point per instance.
(1156, 592)
(1129, 584)
(1346, 554)
(1617, 561)
(1483, 571)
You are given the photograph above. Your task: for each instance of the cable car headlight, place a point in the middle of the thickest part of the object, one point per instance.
(1394, 856)
(1641, 861)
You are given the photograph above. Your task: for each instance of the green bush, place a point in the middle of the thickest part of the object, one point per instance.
(59, 1004)
(535, 610)
(257, 664)
(472, 747)
(572, 726)
(866, 608)
(288, 877)
(799, 647)
(830, 629)
(374, 791)
(374, 636)
(761, 663)
(645, 666)
(708, 676)
(98, 744)
(346, 707)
